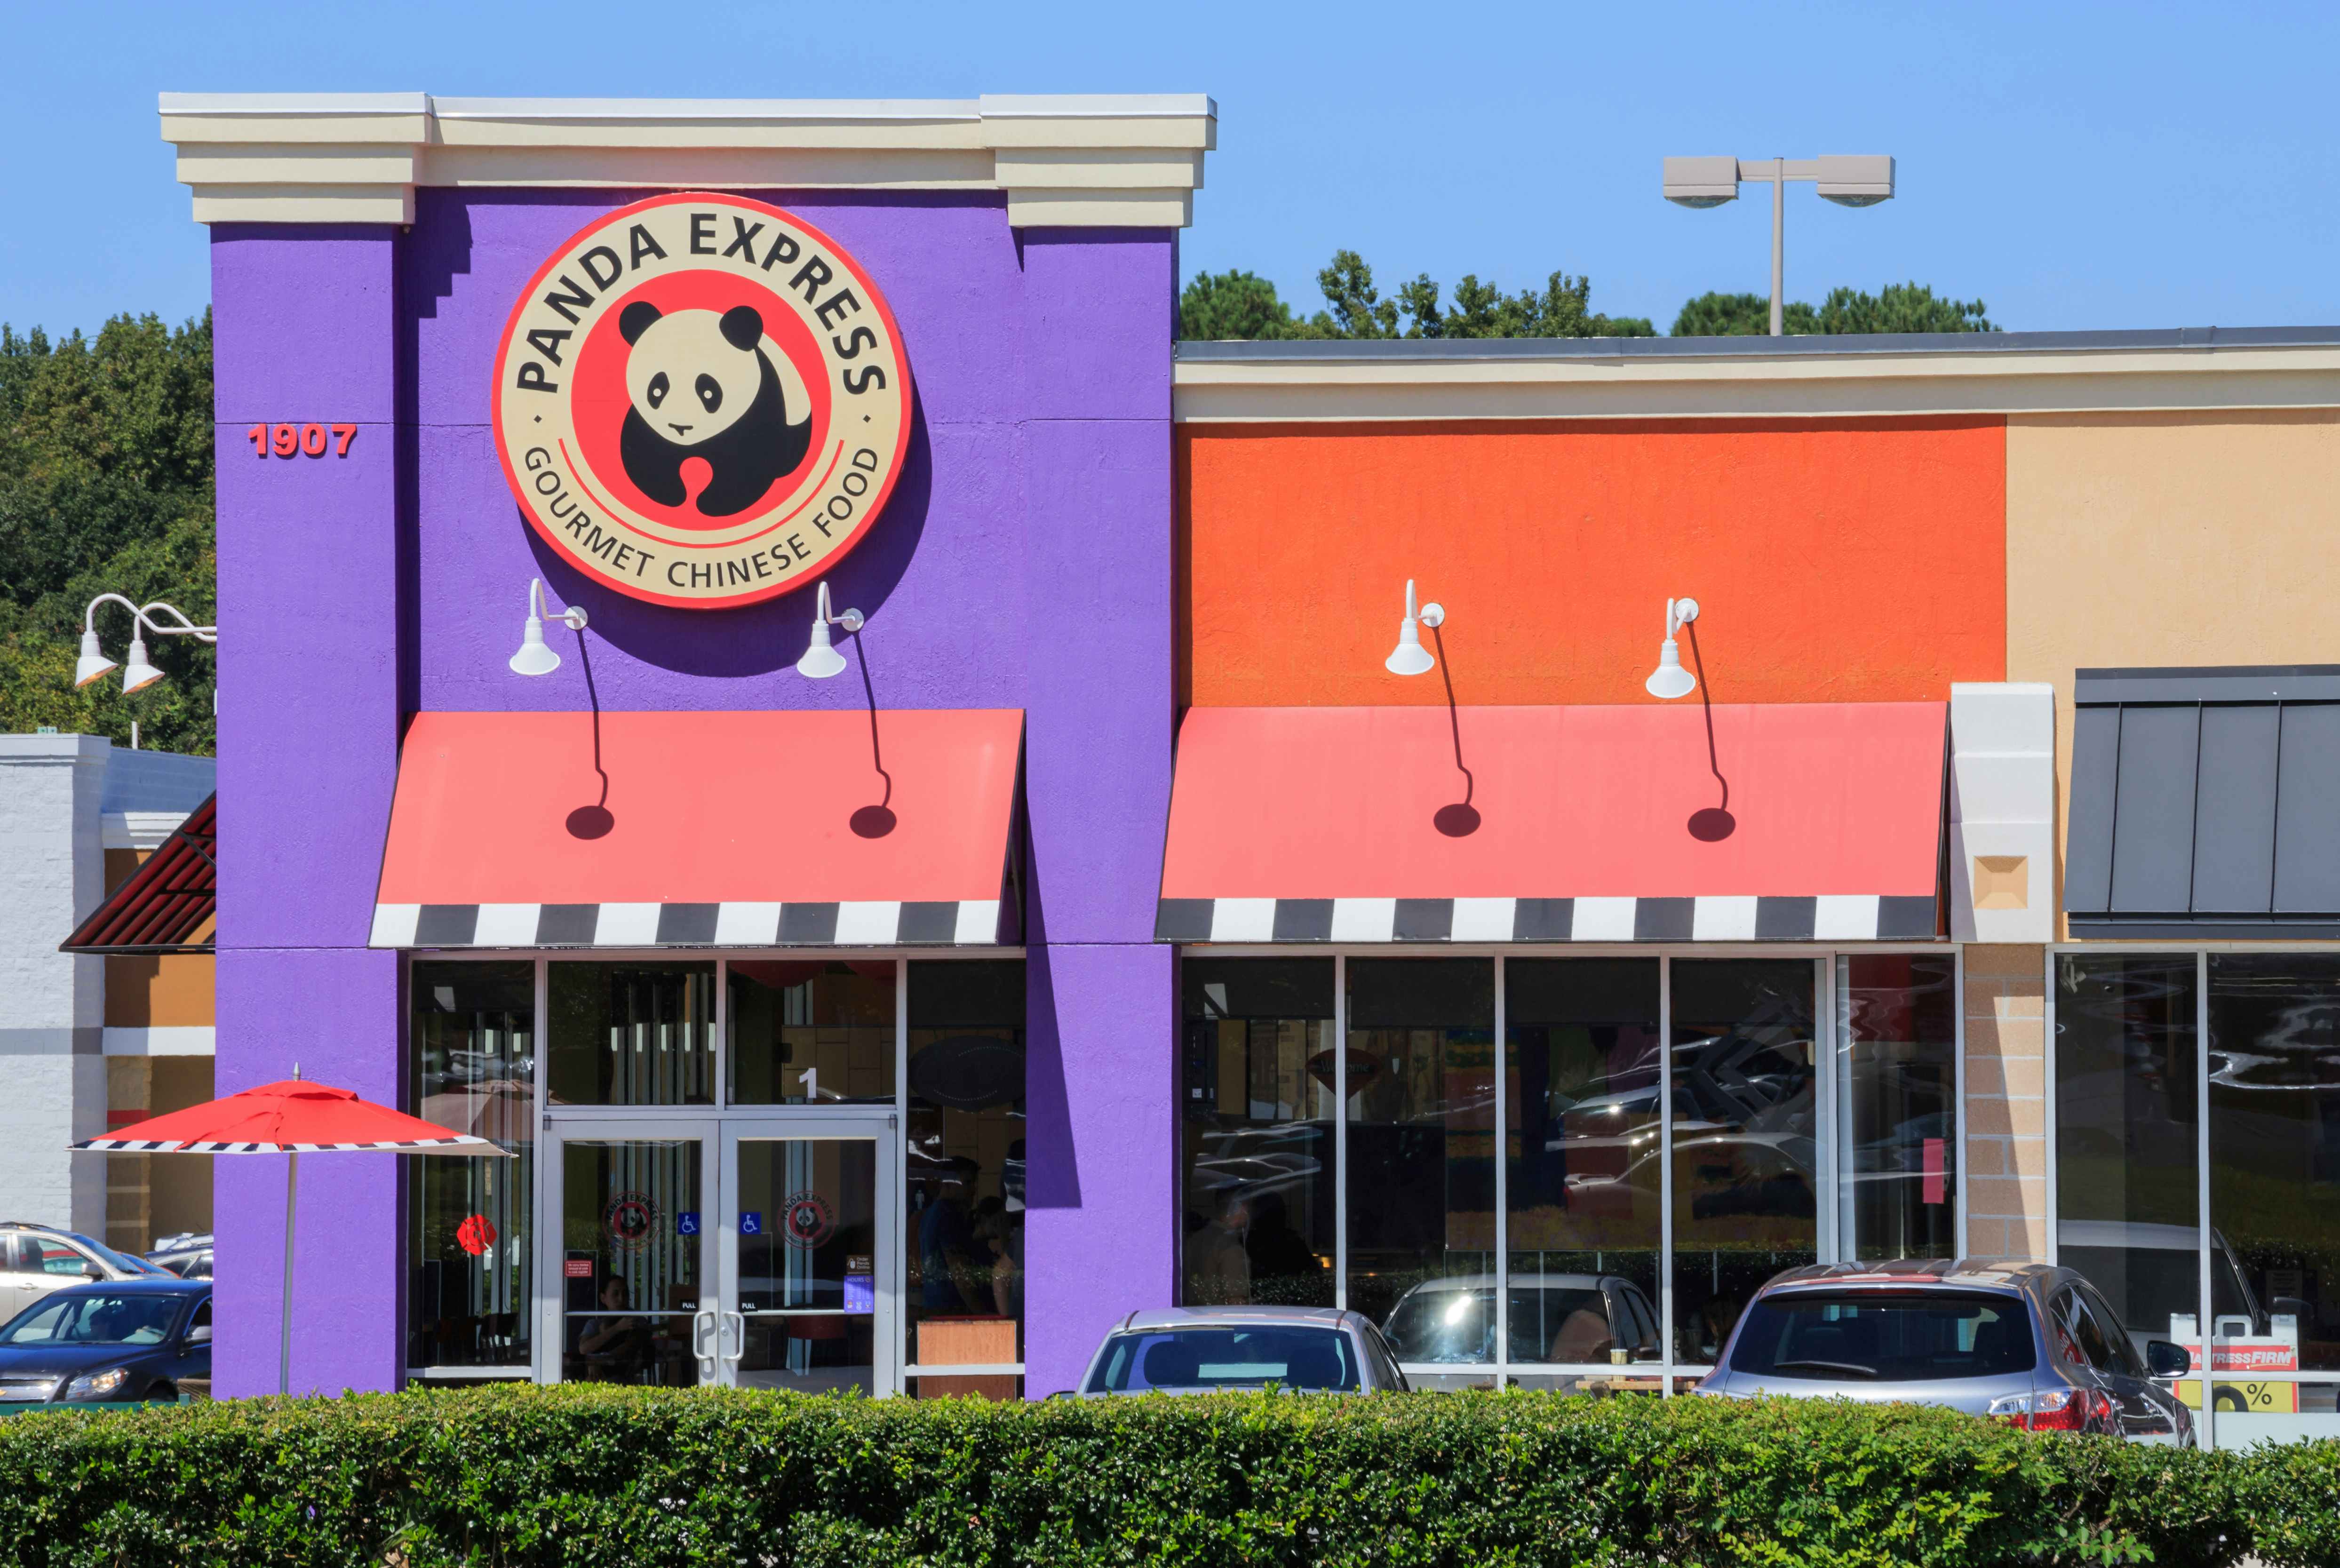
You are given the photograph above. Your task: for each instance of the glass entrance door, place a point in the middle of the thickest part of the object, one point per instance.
(808, 1255)
(632, 1295)
(757, 1251)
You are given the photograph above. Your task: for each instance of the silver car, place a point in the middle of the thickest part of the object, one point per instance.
(1206, 1349)
(2034, 1346)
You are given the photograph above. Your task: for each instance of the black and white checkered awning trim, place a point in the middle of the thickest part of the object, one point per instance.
(962, 922)
(1826, 917)
(208, 1146)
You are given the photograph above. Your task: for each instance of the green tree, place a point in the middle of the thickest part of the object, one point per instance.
(1238, 304)
(105, 484)
(1896, 308)
(1232, 304)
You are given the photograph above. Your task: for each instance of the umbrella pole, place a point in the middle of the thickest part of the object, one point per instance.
(284, 1352)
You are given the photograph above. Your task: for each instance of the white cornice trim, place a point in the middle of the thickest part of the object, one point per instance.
(1113, 161)
(1742, 386)
(139, 829)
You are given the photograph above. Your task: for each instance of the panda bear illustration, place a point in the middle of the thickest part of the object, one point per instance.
(704, 385)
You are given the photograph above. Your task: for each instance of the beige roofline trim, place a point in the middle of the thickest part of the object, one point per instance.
(1131, 160)
(1740, 386)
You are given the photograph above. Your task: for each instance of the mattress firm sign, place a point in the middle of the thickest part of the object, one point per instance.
(701, 401)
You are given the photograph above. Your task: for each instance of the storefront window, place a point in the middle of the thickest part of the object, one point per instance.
(963, 1176)
(1258, 1131)
(2127, 1131)
(1585, 1193)
(810, 1032)
(631, 1269)
(1421, 1153)
(1896, 1112)
(471, 1044)
(1745, 1156)
(632, 1033)
(2274, 1189)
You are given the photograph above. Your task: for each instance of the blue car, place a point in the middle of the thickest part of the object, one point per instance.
(115, 1342)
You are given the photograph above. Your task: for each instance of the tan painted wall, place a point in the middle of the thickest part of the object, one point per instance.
(156, 990)
(2168, 539)
(2007, 1102)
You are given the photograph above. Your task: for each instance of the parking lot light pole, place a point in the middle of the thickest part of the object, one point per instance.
(1850, 180)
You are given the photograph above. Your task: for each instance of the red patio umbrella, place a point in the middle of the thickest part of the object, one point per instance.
(292, 1117)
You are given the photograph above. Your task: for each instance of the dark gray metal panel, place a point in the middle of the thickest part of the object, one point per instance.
(2234, 809)
(1405, 351)
(2210, 683)
(2096, 781)
(2153, 831)
(2307, 812)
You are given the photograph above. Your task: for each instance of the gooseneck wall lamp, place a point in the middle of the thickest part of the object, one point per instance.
(1411, 657)
(820, 659)
(535, 657)
(139, 673)
(1669, 679)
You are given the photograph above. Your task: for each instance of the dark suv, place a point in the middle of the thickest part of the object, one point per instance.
(2024, 1343)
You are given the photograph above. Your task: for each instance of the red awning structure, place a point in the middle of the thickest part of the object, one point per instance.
(168, 904)
(1624, 824)
(702, 830)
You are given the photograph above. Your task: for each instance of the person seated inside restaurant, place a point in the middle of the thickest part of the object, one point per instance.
(615, 1343)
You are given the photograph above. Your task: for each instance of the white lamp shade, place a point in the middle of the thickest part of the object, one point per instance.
(534, 656)
(91, 664)
(820, 660)
(1702, 182)
(138, 674)
(1669, 679)
(1410, 657)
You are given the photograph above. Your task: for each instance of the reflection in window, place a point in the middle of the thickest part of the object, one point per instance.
(1421, 1115)
(471, 1044)
(2275, 1167)
(633, 1216)
(810, 1032)
(2126, 1129)
(632, 1033)
(1584, 1189)
(1257, 1133)
(964, 1174)
(1745, 1156)
(1897, 1120)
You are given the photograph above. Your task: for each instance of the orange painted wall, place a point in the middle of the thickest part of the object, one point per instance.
(1846, 561)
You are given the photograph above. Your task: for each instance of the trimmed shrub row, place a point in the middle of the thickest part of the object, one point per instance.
(609, 1476)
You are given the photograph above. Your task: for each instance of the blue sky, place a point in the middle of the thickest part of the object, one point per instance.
(2075, 165)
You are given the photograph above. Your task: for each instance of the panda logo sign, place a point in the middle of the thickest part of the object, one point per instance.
(701, 401)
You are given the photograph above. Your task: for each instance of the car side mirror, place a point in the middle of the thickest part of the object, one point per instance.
(2292, 1306)
(90, 1271)
(200, 1335)
(2167, 1360)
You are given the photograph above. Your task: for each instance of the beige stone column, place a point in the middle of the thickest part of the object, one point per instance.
(2006, 1121)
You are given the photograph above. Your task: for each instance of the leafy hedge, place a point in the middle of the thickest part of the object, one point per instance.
(608, 1476)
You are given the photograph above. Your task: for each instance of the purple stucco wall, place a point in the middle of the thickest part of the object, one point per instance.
(1023, 562)
(304, 324)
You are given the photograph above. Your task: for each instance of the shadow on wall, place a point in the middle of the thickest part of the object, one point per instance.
(761, 638)
(1053, 1177)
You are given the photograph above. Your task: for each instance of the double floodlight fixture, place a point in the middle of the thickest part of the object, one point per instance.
(1411, 657)
(820, 659)
(1669, 679)
(140, 672)
(1848, 179)
(535, 657)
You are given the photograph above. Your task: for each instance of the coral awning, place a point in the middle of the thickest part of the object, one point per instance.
(1624, 824)
(702, 830)
(168, 903)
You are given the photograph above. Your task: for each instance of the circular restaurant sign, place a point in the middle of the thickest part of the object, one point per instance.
(701, 401)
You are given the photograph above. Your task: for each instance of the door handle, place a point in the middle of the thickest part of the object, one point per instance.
(702, 1324)
(739, 1338)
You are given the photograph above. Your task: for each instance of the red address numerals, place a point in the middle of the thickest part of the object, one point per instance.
(299, 440)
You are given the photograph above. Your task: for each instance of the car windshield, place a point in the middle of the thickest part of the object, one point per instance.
(119, 1260)
(1547, 1324)
(96, 1317)
(1290, 1357)
(1875, 1336)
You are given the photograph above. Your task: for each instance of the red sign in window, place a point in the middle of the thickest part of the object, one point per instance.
(577, 1268)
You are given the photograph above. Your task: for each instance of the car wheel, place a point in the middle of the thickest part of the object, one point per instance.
(162, 1391)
